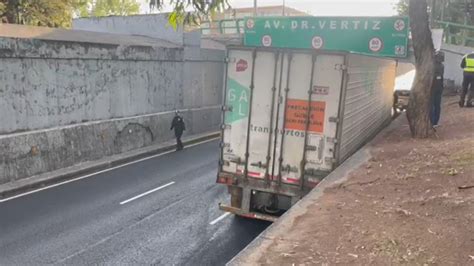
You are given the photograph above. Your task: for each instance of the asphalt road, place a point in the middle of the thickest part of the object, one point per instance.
(158, 211)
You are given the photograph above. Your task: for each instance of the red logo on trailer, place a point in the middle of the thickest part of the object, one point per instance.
(241, 65)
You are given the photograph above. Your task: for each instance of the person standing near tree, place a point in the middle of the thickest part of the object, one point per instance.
(437, 89)
(467, 64)
(179, 127)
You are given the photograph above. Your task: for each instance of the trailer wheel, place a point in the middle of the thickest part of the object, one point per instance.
(271, 211)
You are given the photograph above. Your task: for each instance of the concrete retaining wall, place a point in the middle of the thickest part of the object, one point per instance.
(153, 25)
(30, 153)
(45, 85)
(64, 103)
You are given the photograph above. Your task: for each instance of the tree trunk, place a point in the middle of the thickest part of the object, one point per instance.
(12, 10)
(419, 106)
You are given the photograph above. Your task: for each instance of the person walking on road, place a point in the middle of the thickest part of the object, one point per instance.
(467, 64)
(178, 125)
(437, 89)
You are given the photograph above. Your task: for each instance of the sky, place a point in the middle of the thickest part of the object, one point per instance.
(320, 7)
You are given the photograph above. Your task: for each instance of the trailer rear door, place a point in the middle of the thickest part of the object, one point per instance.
(267, 134)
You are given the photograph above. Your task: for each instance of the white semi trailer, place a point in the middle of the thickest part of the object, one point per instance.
(291, 116)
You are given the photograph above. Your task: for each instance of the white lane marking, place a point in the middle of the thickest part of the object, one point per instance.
(146, 193)
(219, 218)
(102, 171)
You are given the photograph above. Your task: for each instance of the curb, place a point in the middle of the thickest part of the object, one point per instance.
(36, 182)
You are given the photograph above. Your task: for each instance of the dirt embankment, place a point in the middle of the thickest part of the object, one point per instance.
(411, 204)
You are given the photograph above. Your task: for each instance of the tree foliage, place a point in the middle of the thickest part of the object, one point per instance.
(402, 7)
(59, 13)
(449, 10)
(38, 12)
(100, 8)
(190, 11)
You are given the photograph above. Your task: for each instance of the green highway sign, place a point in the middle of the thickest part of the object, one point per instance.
(381, 36)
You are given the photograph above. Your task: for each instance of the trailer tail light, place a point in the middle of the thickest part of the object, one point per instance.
(249, 215)
(312, 182)
(225, 179)
(222, 180)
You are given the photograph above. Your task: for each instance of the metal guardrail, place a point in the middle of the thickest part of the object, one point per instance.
(457, 39)
(224, 26)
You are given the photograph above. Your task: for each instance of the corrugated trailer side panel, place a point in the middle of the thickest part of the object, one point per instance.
(367, 101)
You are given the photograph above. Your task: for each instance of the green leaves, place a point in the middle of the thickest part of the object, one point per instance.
(101, 8)
(59, 13)
(402, 7)
(38, 12)
(190, 12)
(2, 7)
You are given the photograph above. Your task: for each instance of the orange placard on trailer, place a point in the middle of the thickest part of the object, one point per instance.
(297, 111)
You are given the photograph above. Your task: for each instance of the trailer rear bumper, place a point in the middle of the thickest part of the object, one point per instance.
(252, 215)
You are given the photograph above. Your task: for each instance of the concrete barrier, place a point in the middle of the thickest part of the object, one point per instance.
(66, 101)
(35, 152)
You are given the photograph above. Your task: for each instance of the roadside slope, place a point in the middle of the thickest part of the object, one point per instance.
(411, 201)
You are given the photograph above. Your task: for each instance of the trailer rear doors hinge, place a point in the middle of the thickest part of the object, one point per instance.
(341, 67)
(225, 126)
(315, 172)
(330, 160)
(289, 169)
(311, 148)
(224, 145)
(331, 140)
(259, 165)
(227, 108)
(224, 163)
(334, 119)
(237, 161)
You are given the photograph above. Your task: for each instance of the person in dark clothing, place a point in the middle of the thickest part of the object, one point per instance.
(467, 64)
(437, 90)
(178, 125)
